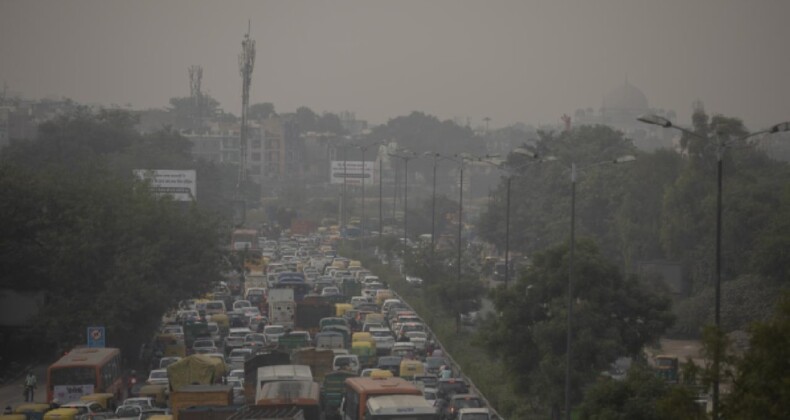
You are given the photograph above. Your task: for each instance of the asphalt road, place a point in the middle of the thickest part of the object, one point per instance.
(12, 393)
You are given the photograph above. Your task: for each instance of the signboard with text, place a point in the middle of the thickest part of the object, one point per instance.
(180, 184)
(354, 172)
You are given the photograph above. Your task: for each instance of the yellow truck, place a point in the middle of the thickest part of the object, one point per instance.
(196, 369)
(200, 395)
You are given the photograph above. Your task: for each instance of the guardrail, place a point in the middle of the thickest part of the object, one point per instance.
(456, 368)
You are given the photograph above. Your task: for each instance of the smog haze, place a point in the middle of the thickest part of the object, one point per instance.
(512, 61)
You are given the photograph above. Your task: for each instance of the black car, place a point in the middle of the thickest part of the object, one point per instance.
(447, 387)
(459, 401)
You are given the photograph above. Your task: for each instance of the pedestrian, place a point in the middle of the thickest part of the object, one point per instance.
(30, 386)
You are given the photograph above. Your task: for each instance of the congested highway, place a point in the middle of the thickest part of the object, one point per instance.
(299, 328)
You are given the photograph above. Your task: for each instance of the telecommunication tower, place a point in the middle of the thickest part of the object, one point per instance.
(195, 80)
(246, 64)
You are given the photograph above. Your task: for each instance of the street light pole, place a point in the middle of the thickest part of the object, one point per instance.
(381, 191)
(569, 333)
(405, 155)
(433, 210)
(507, 231)
(362, 221)
(571, 257)
(720, 147)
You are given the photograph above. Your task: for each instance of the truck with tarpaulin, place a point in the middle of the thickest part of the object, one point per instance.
(196, 369)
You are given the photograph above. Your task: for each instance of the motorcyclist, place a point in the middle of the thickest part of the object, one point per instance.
(132, 381)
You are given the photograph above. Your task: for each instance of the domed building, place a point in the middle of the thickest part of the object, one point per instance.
(620, 109)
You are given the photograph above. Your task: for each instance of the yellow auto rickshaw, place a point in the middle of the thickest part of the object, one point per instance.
(158, 393)
(62, 413)
(342, 308)
(161, 417)
(381, 373)
(106, 400)
(366, 353)
(411, 368)
(223, 322)
(13, 416)
(32, 411)
(171, 345)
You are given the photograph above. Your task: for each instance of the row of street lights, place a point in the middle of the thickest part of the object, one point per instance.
(461, 159)
(721, 144)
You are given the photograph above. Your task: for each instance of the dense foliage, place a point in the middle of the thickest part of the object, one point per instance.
(76, 225)
(613, 316)
(660, 208)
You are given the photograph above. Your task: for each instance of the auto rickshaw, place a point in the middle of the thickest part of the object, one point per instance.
(62, 413)
(381, 373)
(13, 416)
(158, 393)
(411, 368)
(342, 308)
(223, 322)
(32, 411)
(107, 400)
(161, 417)
(171, 345)
(366, 353)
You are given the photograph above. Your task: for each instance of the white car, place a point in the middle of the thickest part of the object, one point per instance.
(158, 377)
(273, 333)
(241, 304)
(236, 373)
(383, 338)
(474, 414)
(414, 281)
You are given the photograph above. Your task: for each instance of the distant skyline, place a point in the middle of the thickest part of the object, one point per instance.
(513, 61)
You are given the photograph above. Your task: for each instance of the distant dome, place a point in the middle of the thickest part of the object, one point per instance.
(625, 97)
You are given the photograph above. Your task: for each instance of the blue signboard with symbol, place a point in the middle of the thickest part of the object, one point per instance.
(96, 337)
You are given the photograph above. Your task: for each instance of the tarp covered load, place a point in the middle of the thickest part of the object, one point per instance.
(196, 369)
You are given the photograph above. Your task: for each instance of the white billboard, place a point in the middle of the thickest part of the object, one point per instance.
(354, 172)
(181, 185)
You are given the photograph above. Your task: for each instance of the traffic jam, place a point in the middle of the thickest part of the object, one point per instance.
(301, 333)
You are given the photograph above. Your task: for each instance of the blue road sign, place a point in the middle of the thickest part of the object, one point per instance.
(96, 336)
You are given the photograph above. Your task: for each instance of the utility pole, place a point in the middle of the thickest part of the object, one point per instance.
(246, 64)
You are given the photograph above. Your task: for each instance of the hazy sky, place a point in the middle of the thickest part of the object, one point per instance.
(513, 61)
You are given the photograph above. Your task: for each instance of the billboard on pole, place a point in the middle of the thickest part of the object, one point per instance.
(180, 184)
(355, 172)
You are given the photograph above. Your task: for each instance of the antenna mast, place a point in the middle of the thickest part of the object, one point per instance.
(195, 80)
(246, 64)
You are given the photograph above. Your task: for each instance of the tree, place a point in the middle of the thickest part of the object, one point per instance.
(191, 113)
(760, 386)
(641, 396)
(80, 228)
(306, 119)
(613, 317)
(105, 251)
(261, 111)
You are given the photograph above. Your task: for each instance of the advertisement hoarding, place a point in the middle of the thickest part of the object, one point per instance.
(180, 184)
(354, 172)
